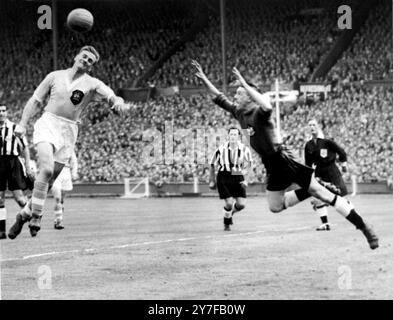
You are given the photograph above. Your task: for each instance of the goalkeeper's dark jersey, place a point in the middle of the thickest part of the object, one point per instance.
(281, 166)
(258, 124)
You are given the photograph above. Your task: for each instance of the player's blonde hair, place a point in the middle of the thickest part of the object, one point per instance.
(92, 50)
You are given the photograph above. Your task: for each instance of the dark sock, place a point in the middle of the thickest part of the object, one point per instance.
(228, 221)
(227, 209)
(355, 219)
(302, 194)
(3, 221)
(2, 227)
(22, 203)
(324, 219)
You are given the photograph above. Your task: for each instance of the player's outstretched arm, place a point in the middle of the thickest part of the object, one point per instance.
(118, 105)
(259, 98)
(201, 75)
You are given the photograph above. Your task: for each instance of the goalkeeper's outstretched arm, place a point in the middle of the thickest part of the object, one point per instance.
(201, 75)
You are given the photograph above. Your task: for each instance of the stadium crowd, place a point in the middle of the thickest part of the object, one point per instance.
(172, 138)
(287, 43)
(129, 38)
(280, 45)
(356, 117)
(370, 56)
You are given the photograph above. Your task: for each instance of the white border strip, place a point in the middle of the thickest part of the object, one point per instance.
(148, 243)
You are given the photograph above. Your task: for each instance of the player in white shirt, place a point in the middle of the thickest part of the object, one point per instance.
(55, 133)
(63, 184)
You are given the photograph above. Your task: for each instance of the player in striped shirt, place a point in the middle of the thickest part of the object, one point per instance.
(232, 159)
(254, 113)
(55, 133)
(12, 171)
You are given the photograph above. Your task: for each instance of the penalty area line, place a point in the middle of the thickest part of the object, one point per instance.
(147, 243)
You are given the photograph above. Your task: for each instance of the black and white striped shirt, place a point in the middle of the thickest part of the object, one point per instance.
(229, 159)
(10, 144)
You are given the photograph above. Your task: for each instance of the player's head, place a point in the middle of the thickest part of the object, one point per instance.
(315, 130)
(242, 97)
(233, 134)
(86, 58)
(3, 112)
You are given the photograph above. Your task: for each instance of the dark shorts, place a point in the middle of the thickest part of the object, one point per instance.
(12, 176)
(333, 175)
(228, 185)
(283, 169)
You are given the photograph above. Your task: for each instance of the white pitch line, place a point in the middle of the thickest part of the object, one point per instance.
(147, 243)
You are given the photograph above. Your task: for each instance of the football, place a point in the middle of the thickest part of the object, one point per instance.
(80, 20)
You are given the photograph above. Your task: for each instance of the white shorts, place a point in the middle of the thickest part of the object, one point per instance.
(58, 131)
(64, 180)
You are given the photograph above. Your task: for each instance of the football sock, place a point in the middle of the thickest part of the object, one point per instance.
(227, 212)
(58, 212)
(21, 202)
(237, 208)
(3, 219)
(342, 205)
(323, 212)
(346, 208)
(355, 219)
(26, 210)
(38, 198)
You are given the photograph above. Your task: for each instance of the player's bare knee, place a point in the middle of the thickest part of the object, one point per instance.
(47, 171)
(276, 208)
(228, 204)
(240, 206)
(20, 200)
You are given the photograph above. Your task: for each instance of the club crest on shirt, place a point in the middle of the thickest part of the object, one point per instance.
(323, 153)
(77, 97)
(250, 131)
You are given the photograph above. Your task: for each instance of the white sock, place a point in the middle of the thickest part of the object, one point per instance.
(26, 211)
(343, 206)
(3, 214)
(323, 212)
(58, 215)
(227, 214)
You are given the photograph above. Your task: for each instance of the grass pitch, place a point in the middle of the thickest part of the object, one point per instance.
(175, 248)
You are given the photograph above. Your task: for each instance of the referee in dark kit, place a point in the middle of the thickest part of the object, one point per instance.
(232, 159)
(13, 173)
(321, 154)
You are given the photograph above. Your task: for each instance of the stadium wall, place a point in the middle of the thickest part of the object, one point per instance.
(187, 189)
